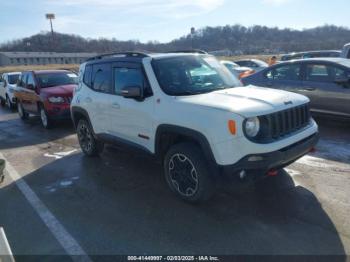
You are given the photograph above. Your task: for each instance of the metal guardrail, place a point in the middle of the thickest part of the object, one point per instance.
(5, 250)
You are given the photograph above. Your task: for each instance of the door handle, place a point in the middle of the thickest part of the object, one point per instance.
(309, 88)
(116, 105)
(88, 100)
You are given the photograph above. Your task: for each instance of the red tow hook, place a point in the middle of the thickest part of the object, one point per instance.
(272, 173)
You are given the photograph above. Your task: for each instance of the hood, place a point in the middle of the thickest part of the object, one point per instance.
(64, 90)
(247, 101)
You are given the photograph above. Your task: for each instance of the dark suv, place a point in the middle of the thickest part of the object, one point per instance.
(46, 93)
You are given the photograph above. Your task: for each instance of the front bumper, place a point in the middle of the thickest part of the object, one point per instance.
(273, 160)
(59, 112)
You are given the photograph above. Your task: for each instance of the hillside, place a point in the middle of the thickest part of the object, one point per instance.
(237, 39)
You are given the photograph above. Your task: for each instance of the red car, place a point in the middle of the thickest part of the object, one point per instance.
(46, 93)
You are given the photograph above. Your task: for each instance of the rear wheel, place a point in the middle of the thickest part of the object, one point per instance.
(2, 101)
(45, 120)
(187, 173)
(89, 145)
(21, 112)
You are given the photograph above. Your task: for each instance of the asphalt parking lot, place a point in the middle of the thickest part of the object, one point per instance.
(54, 200)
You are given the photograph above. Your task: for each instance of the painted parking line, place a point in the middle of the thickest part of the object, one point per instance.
(5, 250)
(69, 244)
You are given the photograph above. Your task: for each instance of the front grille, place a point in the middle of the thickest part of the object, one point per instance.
(277, 125)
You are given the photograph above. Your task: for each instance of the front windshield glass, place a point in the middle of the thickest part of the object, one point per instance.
(190, 75)
(57, 79)
(13, 79)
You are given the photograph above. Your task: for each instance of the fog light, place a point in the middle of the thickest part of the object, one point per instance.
(255, 158)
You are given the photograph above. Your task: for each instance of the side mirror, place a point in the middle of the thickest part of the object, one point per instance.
(132, 92)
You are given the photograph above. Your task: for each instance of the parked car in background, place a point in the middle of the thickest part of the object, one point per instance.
(326, 81)
(311, 54)
(346, 51)
(237, 70)
(8, 85)
(254, 64)
(189, 112)
(47, 93)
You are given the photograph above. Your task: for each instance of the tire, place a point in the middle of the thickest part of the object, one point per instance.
(187, 173)
(45, 119)
(2, 101)
(9, 104)
(21, 112)
(89, 145)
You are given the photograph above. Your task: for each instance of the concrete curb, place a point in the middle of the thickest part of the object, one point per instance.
(5, 250)
(2, 167)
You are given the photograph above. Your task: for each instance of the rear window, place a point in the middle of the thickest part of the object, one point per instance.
(56, 79)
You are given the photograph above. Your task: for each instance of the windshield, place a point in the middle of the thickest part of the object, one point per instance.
(57, 79)
(13, 79)
(189, 75)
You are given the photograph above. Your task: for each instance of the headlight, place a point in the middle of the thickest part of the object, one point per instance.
(56, 99)
(11, 90)
(252, 126)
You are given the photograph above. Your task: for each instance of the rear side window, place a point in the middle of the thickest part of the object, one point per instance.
(101, 78)
(323, 73)
(87, 75)
(286, 72)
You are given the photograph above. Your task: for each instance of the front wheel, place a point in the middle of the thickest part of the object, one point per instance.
(9, 104)
(89, 145)
(21, 112)
(45, 120)
(2, 101)
(187, 173)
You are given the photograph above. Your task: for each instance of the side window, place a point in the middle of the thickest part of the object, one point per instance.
(286, 72)
(252, 64)
(126, 77)
(320, 73)
(242, 63)
(23, 80)
(101, 78)
(30, 81)
(87, 75)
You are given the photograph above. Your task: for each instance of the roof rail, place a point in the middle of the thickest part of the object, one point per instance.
(126, 54)
(194, 51)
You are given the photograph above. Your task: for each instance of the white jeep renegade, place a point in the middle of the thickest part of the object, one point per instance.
(191, 113)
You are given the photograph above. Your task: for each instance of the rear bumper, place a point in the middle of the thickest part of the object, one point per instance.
(273, 160)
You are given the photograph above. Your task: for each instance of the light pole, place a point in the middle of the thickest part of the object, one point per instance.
(51, 17)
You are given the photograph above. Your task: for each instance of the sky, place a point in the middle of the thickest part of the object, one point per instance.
(162, 20)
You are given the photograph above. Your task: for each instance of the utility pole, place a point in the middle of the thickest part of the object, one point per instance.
(51, 17)
(193, 31)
